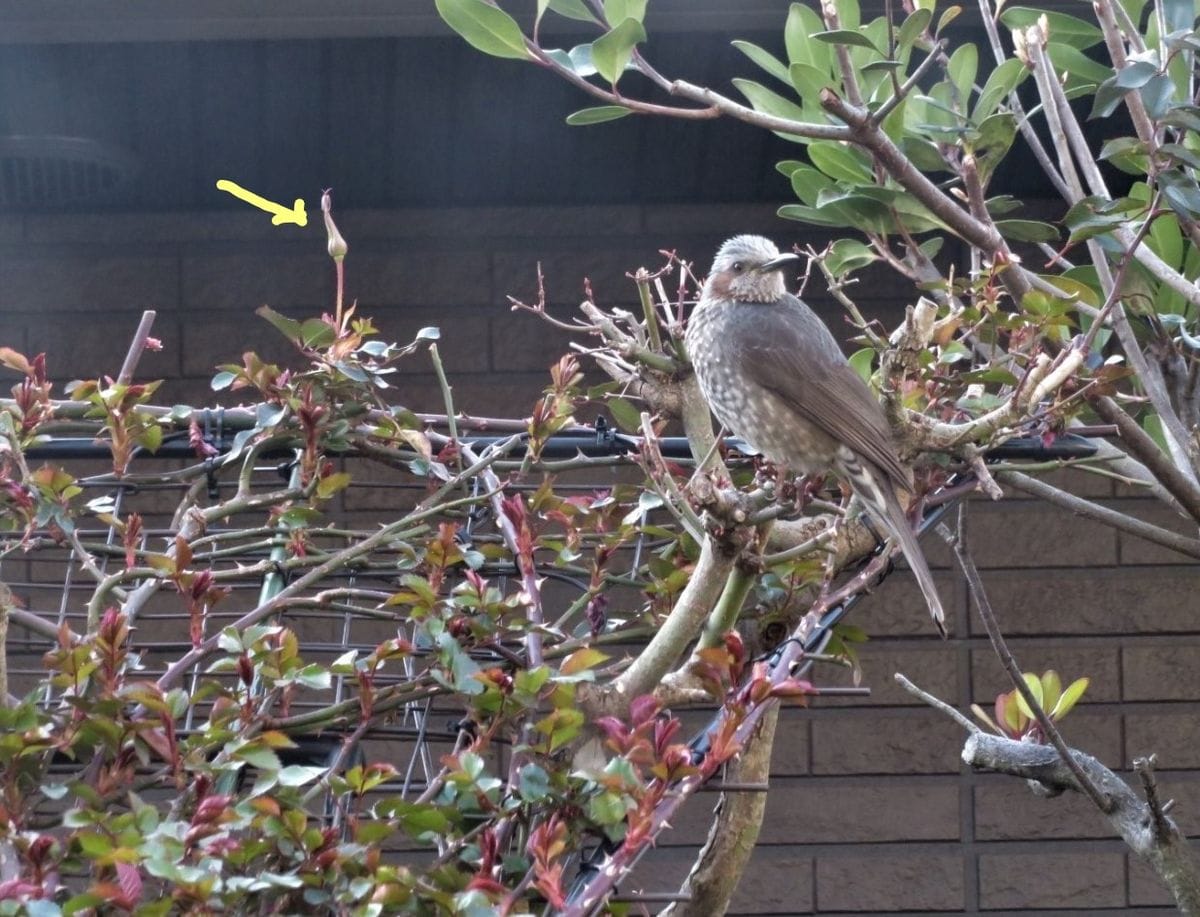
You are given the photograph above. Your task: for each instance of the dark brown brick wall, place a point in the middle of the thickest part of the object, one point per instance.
(870, 810)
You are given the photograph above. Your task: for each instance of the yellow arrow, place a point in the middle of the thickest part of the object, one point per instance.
(281, 214)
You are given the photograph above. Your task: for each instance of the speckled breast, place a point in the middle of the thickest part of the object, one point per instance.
(745, 408)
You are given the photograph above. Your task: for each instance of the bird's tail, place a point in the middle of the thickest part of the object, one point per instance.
(881, 502)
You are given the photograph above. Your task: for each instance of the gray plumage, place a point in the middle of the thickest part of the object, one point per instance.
(774, 375)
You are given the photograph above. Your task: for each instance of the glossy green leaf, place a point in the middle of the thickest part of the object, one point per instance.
(571, 9)
(951, 13)
(1063, 28)
(840, 161)
(597, 115)
(1051, 688)
(772, 103)
(912, 28)
(802, 22)
(845, 37)
(1128, 154)
(1000, 82)
(1076, 63)
(847, 255)
(808, 82)
(1069, 698)
(612, 51)
(1027, 231)
(485, 27)
(964, 64)
(1035, 688)
(862, 362)
(765, 59)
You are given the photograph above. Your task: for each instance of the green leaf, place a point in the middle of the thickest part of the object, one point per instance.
(298, 774)
(611, 52)
(964, 64)
(616, 11)
(912, 28)
(862, 362)
(316, 333)
(485, 27)
(571, 9)
(840, 162)
(1035, 688)
(289, 327)
(1069, 698)
(802, 22)
(533, 783)
(1051, 689)
(1027, 231)
(1000, 82)
(1062, 28)
(627, 416)
(582, 660)
(845, 37)
(597, 115)
(765, 59)
(1076, 63)
(768, 102)
(952, 13)
(847, 255)
(1128, 154)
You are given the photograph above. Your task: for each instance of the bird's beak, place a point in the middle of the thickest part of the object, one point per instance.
(776, 263)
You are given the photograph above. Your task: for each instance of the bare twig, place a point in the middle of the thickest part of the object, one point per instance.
(975, 583)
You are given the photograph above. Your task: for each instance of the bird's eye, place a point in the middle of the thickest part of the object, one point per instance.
(737, 266)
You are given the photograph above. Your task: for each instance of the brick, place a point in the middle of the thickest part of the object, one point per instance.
(1135, 550)
(717, 220)
(463, 345)
(1171, 736)
(931, 667)
(89, 347)
(802, 810)
(1005, 810)
(1026, 534)
(919, 742)
(1080, 483)
(244, 282)
(524, 343)
(456, 223)
(12, 228)
(222, 337)
(777, 880)
(889, 883)
(897, 609)
(790, 753)
(1162, 672)
(176, 226)
(69, 283)
(1098, 733)
(1096, 601)
(1145, 887)
(1100, 664)
(515, 274)
(1047, 880)
(420, 279)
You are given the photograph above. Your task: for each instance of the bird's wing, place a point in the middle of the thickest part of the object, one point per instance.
(786, 348)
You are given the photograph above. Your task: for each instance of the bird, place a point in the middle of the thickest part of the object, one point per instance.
(774, 375)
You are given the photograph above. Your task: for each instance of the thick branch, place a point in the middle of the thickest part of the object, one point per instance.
(1110, 517)
(1167, 852)
(734, 831)
(1146, 449)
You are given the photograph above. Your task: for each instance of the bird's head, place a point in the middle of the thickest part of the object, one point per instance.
(748, 269)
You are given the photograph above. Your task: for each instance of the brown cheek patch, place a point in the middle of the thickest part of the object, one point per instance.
(720, 285)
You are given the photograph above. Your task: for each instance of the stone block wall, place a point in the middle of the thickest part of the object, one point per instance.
(870, 810)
